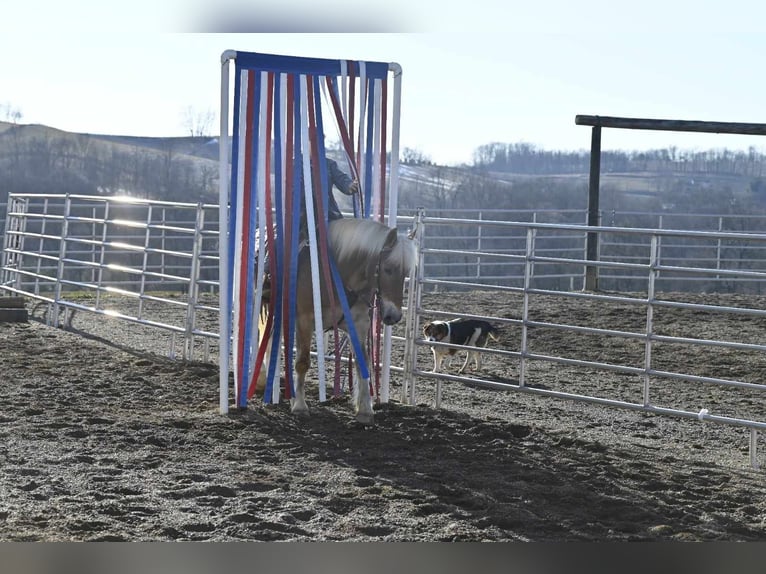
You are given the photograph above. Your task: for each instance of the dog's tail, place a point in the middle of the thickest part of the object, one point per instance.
(493, 331)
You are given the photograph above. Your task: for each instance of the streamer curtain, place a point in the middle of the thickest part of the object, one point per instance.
(279, 129)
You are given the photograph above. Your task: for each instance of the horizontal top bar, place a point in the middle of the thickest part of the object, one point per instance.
(672, 125)
(302, 65)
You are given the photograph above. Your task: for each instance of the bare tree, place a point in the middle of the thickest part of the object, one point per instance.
(10, 113)
(198, 123)
(413, 156)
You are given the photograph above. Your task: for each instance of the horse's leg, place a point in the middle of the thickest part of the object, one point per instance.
(260, 384)
(362, 398)
(303, 334)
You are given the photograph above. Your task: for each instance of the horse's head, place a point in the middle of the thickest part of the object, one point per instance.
(371, 257)
(394, 264)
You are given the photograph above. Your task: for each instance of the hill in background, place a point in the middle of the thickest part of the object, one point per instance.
(41, 159)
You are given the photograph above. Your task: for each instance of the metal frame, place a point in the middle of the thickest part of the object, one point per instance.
(225, 342)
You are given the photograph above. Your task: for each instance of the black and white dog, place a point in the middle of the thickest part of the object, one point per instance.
(468, 332)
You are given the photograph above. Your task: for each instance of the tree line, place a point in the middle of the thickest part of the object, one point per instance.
(526, 158)
(39, 160)
(515, 177)
(34, 159)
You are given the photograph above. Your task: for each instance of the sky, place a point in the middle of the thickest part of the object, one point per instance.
(474, 72)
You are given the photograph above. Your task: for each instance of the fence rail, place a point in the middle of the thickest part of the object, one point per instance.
(646, 275)
(55, 248)
(468, 251)
(56, 244)
(143, 251)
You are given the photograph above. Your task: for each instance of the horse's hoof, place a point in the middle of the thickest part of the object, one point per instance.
(366, 419)
(299, 410)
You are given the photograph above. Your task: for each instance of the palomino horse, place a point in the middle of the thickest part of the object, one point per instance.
(371, 259)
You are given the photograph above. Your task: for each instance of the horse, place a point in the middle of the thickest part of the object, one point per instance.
(372, 259)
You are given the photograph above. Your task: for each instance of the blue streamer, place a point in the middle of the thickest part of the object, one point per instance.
(351, 327)
(337, 280)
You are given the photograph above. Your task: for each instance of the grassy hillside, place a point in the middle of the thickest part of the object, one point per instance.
(41, 159)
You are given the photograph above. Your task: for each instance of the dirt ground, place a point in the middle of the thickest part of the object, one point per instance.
(102, 437)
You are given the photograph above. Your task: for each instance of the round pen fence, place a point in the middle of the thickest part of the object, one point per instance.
(643, 358)
(155, 264)
(120, 257)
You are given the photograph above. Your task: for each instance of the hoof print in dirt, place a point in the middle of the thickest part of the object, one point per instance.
(94, 453)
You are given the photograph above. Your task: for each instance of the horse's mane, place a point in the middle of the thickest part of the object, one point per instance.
(364, 239)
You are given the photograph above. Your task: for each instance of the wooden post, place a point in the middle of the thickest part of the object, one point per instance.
(591, 246)
(597, 122)
(672, 125)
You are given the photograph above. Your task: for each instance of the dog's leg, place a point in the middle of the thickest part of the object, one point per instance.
(437, 361)
(465, 364)
(471, 354)
(484, 345)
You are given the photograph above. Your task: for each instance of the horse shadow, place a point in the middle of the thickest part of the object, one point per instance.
(513, 481)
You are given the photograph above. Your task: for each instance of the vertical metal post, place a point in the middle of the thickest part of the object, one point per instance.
(661, 222)
(41, 246)
(478, 248)
(93, 271)
(653, 262)
(163, 222)
(13, 238)
(5, 259)
(413, 313)
(528, 269)
(191, 302)
(591, 271)
(102, 256)
(224, 296)
(6, 256)
(21, 244)
(718, 247)
(754, 449)
(62, 256)
(532, 263)
(393, 202)
(144, 260)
